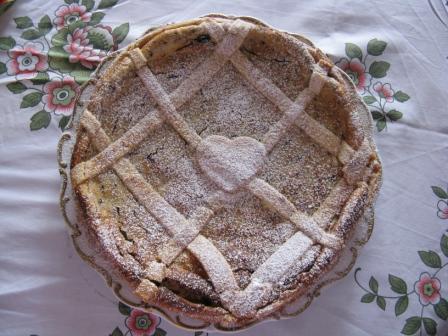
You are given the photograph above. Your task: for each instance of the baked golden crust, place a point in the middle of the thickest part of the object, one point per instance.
(314, 171)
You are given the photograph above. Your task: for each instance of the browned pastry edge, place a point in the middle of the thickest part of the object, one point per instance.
(364, 195)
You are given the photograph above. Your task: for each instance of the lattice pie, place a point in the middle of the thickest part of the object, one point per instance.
(221, 165)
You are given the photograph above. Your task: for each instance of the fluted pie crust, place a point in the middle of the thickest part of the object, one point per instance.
(221, 165)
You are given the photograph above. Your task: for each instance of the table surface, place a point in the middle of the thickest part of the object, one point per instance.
(396, 52)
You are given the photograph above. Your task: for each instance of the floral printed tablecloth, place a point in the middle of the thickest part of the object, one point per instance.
(395, 52)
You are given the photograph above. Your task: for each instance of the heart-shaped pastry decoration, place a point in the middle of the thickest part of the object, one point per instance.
(230, 163)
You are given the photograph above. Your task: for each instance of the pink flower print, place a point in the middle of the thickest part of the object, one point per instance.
(141, 323)
(80, 51)
(26, 61)
(60, 96)
(384, 91)
(442, 209)
(67, 14)
(356, 70)
(428, 289)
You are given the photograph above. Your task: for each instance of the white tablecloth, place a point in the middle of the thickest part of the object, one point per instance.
(45, 289)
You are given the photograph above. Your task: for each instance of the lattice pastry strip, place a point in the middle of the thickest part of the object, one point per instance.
(158, 94)
(282, 205)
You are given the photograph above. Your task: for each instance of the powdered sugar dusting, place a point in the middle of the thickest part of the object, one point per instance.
(230, 163)
(279, 262)
(250, 254)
